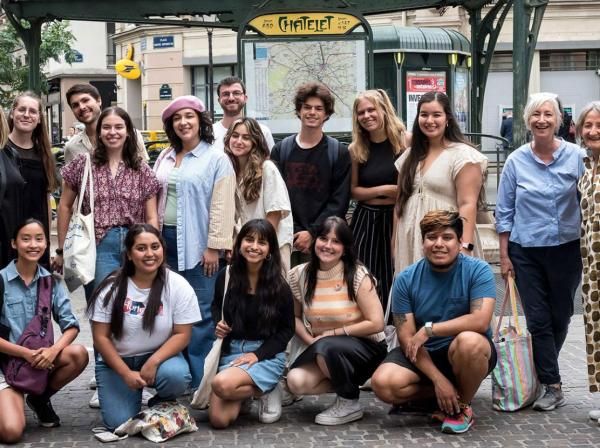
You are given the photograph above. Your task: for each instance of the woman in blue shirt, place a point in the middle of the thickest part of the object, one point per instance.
(64, 359)
(538, 221)
(196, 208)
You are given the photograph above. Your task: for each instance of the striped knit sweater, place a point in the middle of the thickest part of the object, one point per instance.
(331, 306)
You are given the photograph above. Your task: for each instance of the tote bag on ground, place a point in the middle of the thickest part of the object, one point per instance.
(514, 381)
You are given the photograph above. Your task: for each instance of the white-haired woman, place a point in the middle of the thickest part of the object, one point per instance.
(538, 220)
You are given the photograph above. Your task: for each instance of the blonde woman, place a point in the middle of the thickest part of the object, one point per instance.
(378, 139)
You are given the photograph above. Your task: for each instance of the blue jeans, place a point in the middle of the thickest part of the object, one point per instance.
(109, 256)
(203, 332)
(118, 402)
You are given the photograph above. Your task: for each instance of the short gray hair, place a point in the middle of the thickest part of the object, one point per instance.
(594, 106)
(535, 102)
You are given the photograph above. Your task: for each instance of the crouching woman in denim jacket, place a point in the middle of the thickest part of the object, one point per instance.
(64, 359)
(142, 317)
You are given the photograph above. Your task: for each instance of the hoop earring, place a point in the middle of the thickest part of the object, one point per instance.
(268, 257)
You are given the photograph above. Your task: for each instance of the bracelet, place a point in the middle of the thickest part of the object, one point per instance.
(59, 251)
(345, 331)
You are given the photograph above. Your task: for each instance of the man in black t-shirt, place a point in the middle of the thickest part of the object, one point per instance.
(315, 167)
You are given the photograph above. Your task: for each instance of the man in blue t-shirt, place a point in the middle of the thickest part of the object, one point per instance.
(443, 306)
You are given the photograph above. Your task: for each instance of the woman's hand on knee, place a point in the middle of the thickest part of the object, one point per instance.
(246, 358)
(134, 380)
(148, 372)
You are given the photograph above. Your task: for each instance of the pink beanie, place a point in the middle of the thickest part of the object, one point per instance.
(182, 102)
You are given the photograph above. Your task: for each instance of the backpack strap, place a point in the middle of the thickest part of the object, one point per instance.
(333, 150)
(44, 293)
(287, 144)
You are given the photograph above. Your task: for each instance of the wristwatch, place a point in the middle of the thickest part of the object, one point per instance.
(468, 246)
(429, 329)
(59, 252)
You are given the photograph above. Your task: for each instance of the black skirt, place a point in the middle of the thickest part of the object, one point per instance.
(350, 360)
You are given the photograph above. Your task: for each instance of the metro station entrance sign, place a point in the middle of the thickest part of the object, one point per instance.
(280, 51)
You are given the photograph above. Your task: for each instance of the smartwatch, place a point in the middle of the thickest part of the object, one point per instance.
(429, 329)
(468, 246)
(59, 252)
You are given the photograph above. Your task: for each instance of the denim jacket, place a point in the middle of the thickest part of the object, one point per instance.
(20, 302)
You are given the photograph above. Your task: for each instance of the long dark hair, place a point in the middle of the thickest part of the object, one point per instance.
(271, 284)
(130, 150)
(118, 284)
(205, 132)
(39, 138)
(420, 146)
(344, 235)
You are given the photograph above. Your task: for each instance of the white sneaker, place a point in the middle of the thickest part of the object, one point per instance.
(147, 395)
(594, 414)
(95, 402)
(269, 406)
(92, 383)
(341, 411)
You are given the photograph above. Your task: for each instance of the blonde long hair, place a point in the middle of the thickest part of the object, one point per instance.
(4, 130)
(393, 126)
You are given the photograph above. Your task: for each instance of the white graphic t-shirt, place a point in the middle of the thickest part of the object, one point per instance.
(179, 306)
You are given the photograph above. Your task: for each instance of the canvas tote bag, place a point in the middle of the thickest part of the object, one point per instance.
(514, 381)
(201, 397)
(79, 254)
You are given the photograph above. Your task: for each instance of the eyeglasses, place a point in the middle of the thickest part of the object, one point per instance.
(235, 94)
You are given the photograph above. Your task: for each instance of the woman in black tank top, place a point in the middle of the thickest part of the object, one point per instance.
(378, 138)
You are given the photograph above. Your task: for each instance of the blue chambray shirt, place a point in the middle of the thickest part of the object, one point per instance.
(538, 203)
(200, 170)
(20, 302)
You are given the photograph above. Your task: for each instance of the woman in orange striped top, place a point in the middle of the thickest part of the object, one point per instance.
(339, 317)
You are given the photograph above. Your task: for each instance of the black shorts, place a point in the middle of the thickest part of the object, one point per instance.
(440, 360)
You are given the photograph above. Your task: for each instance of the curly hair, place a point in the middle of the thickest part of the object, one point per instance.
(314, 90)
(395, 130)
(419, 147)
(250, 176)
(130, 154)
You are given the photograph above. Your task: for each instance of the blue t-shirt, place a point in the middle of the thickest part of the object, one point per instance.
(441, 296)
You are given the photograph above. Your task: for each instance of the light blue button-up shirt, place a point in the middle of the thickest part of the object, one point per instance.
(205, 201)
(537, 202)
(20, 302)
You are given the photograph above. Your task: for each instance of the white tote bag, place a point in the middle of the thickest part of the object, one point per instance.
(201, 397)
(79, 267)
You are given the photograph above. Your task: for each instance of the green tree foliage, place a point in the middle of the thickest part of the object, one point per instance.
(57, 40)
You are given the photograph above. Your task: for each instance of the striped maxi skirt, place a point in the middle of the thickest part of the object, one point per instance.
(372, 227)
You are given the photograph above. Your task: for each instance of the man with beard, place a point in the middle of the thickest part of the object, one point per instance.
(86, 104)
(232, 97)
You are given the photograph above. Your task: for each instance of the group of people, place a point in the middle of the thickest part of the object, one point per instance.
(232, 236)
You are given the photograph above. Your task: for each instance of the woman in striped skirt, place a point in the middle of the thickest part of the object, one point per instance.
(378, 138)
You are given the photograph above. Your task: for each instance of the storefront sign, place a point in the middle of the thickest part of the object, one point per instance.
(306, 24)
